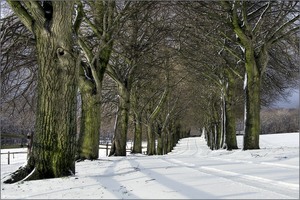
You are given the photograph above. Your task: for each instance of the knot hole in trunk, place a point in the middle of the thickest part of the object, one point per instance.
(60, 52)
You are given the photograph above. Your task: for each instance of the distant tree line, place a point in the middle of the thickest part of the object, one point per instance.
(279, 120)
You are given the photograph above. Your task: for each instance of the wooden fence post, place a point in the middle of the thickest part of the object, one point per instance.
(106, 148)
(8, 159)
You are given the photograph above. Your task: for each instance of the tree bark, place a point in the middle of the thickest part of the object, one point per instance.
(256, 42)
(137, 143)
(169, 143)
(151, 146)
(252, 98)
(53, 151)
(160, 140)
(150, 140)
(90, 122)
(252, 112)
(230, 122)
(166, 141)
(137, 119)
(169, 138)
(120, 137)
(92, 73)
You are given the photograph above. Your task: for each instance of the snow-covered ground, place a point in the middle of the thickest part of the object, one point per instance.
(190, 171)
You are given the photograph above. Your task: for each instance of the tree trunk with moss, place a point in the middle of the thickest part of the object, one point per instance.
(160, 140)
(92, 73)
(137, 142)
(230, 122)
(256, 40)
(151, 136)
(151, 147)
(252, 112)
(252, 95)
(120, 136)
(215, 125)
(90, 122)
(53, 151)
(169, 137)
(137, 120)
(166, 141)
(252, 84)
(90, 86)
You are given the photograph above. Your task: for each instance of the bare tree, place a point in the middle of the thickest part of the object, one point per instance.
(140, 35)
(259, 25)
(18, 66)
(55, 133)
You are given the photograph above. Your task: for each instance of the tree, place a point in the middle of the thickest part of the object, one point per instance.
(139, 36)
(127, 54)
(211, 57)
(54, 142)
(18, 67)
(258, 26)
(95, 28)
(214, 26)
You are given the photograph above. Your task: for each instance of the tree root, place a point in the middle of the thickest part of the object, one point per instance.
(28, 173)
(21, 174)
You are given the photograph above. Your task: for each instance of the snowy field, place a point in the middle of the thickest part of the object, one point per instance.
(190, 171)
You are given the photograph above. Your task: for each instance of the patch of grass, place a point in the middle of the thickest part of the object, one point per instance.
(12, 146)
(9, 135)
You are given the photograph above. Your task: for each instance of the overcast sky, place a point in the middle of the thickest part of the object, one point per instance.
(293, 101)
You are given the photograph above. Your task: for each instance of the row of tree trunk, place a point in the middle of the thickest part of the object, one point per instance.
(55, 145)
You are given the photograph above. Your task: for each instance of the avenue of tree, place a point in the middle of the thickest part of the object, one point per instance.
(151, 70)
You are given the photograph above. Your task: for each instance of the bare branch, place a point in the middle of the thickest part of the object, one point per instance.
(274, 37)
(22, 13)
(79, 17)
(260, 21)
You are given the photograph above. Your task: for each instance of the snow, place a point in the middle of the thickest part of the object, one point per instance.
(190, 171)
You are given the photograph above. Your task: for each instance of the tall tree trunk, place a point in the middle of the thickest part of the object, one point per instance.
(255, 64)
(53, 152)
(151, 139)
(90, 89)
(90, 123)
(92, 74)
(215, 128)
(218, 135)
(159, 145)
(177, 134)
(160, 140)
(166, 141)
(169, 138)
(211, 135)
(150, 134)
(230, 122)
(137, 143)
(120, 137)
(252, 100)
(55, 137)
(137, 115)
(252, 112)
(223, 120)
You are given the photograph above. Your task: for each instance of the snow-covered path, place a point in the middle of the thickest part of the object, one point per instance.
(190, 171)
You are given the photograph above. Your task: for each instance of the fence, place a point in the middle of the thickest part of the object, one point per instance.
(11, 155)
(108, 145)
